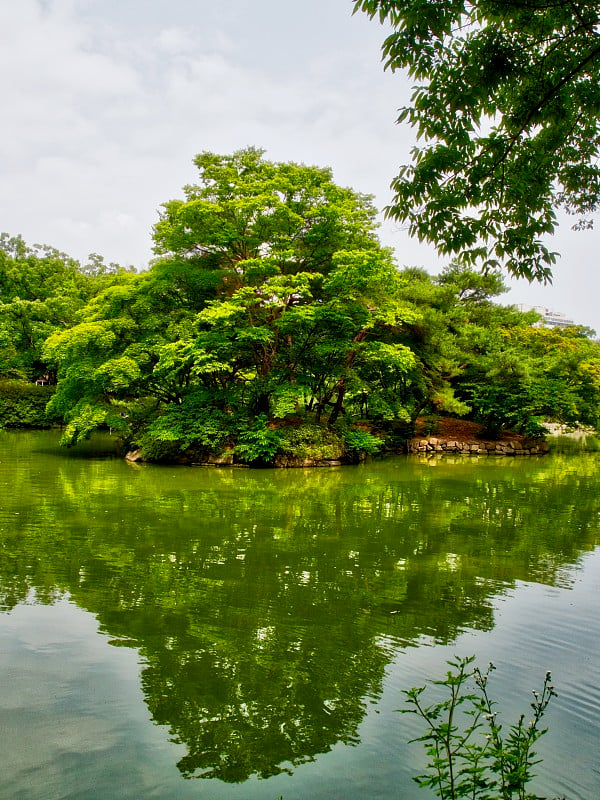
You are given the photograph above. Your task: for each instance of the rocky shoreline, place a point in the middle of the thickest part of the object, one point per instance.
(430, 445)
(449, 435)
(475, 447)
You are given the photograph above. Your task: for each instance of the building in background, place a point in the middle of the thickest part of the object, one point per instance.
(549, 319)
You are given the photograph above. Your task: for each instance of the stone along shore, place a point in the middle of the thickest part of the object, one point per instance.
(504, 447)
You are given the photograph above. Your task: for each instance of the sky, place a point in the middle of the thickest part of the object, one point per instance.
(104, 104)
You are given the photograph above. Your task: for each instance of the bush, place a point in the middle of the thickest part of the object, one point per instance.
(256, 442)
(311, 441)
(23, 405)
(534, 428)
(190, 428)
(361, 443)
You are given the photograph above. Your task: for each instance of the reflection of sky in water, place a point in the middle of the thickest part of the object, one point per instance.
(74, 708)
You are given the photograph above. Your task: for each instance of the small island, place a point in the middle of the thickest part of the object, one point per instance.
(273, 329)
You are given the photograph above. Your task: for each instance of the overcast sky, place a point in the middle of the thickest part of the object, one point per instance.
(105, 103)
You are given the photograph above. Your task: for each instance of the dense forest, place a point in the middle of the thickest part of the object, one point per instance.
(271, 321)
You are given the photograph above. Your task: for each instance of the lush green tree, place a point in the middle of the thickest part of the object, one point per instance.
(302, 340)
(449, 310)
(40, 288)
(270, 294)
(493, 363)
(106, 361)
(507, 102)
(270, 310)
(250, 218)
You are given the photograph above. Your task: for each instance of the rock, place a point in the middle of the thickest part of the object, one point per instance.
(221, 461)
(509, 447)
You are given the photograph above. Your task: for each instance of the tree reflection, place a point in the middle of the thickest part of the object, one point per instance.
(266, 605)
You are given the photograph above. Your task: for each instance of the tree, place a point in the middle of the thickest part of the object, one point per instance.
(304, 293)
(271, 304)
(523, 375)
(270, 293)
(507, 101)
(491, 363)
(451, 311)
(249, 219)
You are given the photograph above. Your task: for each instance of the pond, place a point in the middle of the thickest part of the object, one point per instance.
(174, 632)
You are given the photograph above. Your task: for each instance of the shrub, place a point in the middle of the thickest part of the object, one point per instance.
(311, 441)
(476, 760)
(256, 442)
(23, 405)
(359, 443)
(192, 427)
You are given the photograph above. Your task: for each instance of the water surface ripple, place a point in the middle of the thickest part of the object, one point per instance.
(256, 629)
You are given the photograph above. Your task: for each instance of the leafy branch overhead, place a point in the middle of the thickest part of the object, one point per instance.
(506, 106)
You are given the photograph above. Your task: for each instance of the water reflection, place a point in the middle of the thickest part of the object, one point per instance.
(266, 605)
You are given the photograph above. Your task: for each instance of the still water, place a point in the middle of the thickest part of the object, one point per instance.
(218, 633)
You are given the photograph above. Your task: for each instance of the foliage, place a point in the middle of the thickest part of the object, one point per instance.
(271, 299)
(454, 311)
(257, 442)
(506, 102)
(309, 440)
(41, 292)
(191, 424)
(105, 362)
(23, 405)
(524, 374)
(470, 757)
(270, 294)
(358, 443)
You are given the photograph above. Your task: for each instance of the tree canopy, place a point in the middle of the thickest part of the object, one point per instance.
(270, 293)
(506, 105)
(273, 324)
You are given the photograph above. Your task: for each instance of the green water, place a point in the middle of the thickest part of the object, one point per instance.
(220, 633)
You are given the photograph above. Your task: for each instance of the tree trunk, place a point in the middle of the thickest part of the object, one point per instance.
(341, 385)
(261, 404)
(339, 402)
